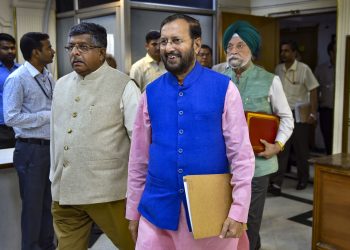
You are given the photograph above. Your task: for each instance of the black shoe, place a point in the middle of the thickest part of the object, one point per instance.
(274, 189)
(301, 186)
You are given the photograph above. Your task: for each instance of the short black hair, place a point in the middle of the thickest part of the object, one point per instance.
(152, 35)
(292, 44)
(97, 32)
(7, 37)
(195, 27)
(204, 46)
(31, 41)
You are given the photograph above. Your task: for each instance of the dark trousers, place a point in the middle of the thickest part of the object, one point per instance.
(300, 143)
(326, 124)
(256, 209)
(32, 162)
(7, 137)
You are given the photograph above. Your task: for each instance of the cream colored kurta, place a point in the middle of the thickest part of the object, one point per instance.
(89, 140)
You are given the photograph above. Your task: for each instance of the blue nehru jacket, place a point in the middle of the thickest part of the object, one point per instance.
(187, 139)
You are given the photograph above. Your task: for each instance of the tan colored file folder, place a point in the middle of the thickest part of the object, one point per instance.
(209, 198)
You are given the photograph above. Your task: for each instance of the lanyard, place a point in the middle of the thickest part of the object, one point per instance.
(42, 89)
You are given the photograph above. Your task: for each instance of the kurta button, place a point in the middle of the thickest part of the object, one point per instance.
(181, 93)
(181, 112)
(181, 191)
(181, 131)
(66, 147)
(74, 114)
(69, 131)
(180, 150)
(77, 99)
(180, 171)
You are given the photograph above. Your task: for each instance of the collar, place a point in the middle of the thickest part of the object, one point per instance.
(15, 65)
(149, 59)
(93, 75)
(191, 77)
(293, 67)
(33, 71)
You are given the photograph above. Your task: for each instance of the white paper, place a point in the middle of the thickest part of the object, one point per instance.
(188, 202)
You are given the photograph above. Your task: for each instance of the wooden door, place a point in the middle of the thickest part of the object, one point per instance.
(269, 30)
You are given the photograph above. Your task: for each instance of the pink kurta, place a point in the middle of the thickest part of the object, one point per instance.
(240, 156)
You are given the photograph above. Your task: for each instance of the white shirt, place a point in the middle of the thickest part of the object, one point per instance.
(297, 82)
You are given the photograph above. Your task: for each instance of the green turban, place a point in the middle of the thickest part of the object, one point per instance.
(246, 32)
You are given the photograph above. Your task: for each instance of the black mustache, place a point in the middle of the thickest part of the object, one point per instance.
(172, 54)
(76, 60)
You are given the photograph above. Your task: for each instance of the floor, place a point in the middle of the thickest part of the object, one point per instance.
(286, 223)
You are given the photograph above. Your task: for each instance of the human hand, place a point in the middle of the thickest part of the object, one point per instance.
(270, 149)
(133, 228)
(231, 229)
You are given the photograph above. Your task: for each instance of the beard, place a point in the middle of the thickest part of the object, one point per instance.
(237, 62)
(176, 62)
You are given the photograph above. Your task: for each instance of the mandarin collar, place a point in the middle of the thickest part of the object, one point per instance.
(190, 78)
(94, 75)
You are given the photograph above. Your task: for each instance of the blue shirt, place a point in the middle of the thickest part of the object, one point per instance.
(26, 107)
(4, 73)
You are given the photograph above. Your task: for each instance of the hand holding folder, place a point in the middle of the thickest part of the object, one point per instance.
(261, 126)
(209, 199)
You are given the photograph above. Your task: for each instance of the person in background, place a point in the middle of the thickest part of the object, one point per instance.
(149, 67)
(111, 61)
(27, 108)
(261, 91)
(205, 56)
(189, 121)
(7, 66)
(93, 112)
(300, 87)
(325, 74)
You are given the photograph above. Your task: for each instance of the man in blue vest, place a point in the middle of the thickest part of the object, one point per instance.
(190, 121)
(261, 91)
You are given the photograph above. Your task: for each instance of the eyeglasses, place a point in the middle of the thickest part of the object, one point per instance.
(173, 41)
(82, 48)
(239, 47)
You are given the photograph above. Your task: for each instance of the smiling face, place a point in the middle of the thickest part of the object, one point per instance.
(238, 53)
(88, 61)
(177, 48)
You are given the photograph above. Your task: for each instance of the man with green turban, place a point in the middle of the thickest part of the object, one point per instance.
(261, 91)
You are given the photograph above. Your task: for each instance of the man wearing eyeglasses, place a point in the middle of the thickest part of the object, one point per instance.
(93, 112)
(205, 56)
(27, 105)
(261, 91)
(190, 121)
(149, 67)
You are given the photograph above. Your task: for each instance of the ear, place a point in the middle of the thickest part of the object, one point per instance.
(102, 54)
(197, 45)
(146, 46)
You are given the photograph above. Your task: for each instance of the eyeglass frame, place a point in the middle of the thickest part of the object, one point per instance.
(69, 48)
(239, 47)
(173, 42)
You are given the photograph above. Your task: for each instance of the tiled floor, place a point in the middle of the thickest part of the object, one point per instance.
(286, 223)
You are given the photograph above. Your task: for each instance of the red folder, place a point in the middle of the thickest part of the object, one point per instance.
(261, 126)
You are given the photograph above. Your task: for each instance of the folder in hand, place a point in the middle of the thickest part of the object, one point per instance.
(209, 199)
(261, 126)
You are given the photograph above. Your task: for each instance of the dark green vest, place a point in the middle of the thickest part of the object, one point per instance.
(254, 86)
